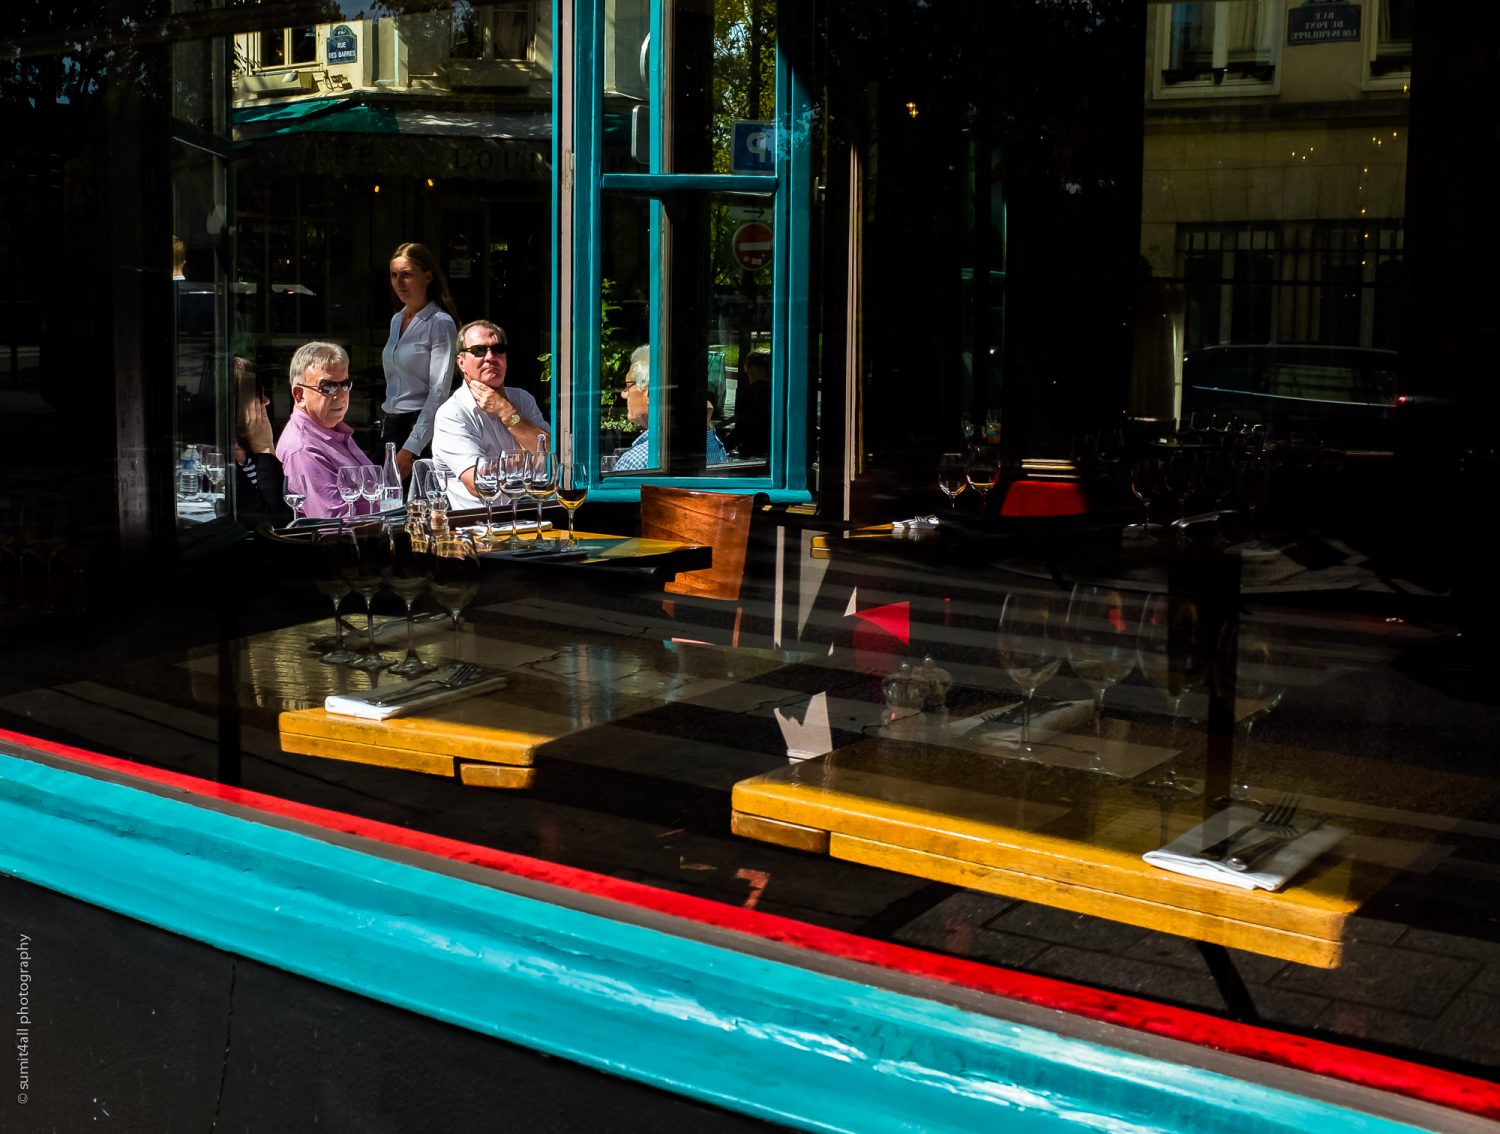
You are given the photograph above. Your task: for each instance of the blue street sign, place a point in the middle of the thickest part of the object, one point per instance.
(343, 45)
(754, 148)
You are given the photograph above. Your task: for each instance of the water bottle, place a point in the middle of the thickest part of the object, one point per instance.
(390, 496)
(188, 482)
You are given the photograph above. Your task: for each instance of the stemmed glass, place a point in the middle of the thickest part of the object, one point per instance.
(542, 484)
(372, 488)
(294, 492)
(515, 472)
(1145, 482)
(333, 552)
(572, 491)
(351, 486)
(952, 477)
(1252, 481)
(982, 469)
(213, 468)
(1101, 641)
(1173, 657)
(367, 575)
(409, 573)
(455, 580)
(1031, 647)
(487, 485)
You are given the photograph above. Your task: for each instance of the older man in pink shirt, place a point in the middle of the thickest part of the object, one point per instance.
(316, 443)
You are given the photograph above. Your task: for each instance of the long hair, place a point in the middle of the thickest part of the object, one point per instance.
(437, 289)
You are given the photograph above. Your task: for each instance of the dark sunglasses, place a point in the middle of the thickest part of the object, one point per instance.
(328, 387)
(497, 349)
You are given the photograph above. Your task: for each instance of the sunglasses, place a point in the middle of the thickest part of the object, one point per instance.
(328, 387)
(497, 349)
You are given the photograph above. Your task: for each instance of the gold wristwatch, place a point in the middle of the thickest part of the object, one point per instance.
(513, 419)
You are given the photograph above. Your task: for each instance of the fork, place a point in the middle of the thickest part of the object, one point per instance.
(1277, 819)
(1252, 856)
(461, 676)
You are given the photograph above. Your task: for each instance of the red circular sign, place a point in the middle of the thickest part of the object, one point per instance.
(752, 246)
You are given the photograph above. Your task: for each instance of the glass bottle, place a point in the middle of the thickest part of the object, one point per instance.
(390, 477)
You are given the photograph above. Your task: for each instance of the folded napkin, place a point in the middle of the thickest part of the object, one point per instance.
(363, 704)
(1180, 855)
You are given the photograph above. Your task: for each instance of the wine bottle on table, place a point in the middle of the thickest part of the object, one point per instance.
(390, 478)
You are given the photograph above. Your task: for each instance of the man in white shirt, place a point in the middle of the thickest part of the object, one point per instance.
(482, 418)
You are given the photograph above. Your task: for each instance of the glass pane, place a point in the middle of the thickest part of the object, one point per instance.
(198, 440)
(711, 351)
(721, 87)
(625, 335)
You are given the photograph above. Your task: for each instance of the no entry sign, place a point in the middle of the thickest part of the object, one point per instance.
(752, 246)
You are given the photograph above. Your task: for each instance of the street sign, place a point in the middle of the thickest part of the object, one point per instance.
(754, 148)
(343, 45)
(752, 244)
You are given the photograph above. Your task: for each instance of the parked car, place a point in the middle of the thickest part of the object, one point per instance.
(1342, 394)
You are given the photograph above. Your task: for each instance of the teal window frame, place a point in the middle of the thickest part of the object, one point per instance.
(581, 185)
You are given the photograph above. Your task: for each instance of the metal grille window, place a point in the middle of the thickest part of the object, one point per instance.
(1331, 282)
(1229, 277)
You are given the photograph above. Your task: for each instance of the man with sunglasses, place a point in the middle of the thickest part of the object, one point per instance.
(482, 418)
(316, 443)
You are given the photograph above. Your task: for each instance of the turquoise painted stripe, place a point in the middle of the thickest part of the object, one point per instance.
(758, 1036)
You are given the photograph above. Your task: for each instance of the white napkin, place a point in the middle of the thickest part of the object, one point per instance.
(1180, 855)
(361, 704)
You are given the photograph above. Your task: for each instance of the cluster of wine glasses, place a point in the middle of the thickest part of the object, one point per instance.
(540, 476)
(977, 468)
(367, 556)
(356, 483)
(1105, 633)
(1219, 462)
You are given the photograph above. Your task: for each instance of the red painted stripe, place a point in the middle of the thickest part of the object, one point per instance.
(1445, 1088)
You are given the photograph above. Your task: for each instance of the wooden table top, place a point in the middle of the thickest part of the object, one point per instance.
(1064, 836)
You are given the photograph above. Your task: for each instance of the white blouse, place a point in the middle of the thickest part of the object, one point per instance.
(419, 369)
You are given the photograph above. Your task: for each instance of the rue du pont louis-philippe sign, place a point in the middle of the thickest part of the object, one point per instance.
(1322, 21)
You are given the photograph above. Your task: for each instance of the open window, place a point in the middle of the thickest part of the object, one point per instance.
(693, 183)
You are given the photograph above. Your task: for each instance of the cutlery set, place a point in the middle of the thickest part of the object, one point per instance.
(1277, 827)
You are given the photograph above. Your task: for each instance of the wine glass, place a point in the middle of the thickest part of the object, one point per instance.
(455, 580)
(1173, 657)
(372, 488)
(294, 492)
(350, 486)
(1031, 647)
(1101, 641)
(982, 470)
(333, 550)
(1145, 482)
(409, 573)
(1252, 481)
(366, 574)
(213, 468)
(543, 483)
(572, 491)
(515, 471)
(487, 485)
(952, 477)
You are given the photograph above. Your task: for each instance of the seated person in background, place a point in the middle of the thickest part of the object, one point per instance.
(257, 473)
(637, 395)
(316, 443)
(482, 418)
(752, 406)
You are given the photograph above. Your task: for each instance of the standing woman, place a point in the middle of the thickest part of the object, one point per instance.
(419, 354)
